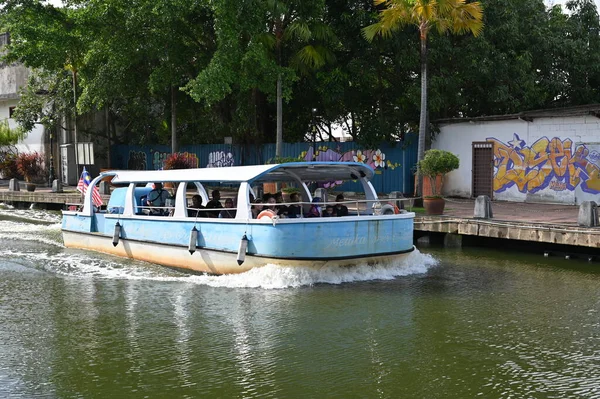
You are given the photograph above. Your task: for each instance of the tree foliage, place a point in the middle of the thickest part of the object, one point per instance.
(223, 58)
(10, 136)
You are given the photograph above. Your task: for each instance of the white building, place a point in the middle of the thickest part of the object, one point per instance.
(536, 156)
(59, 148)
(12, 78)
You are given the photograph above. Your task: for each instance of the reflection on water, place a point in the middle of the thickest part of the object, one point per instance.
(450, 324)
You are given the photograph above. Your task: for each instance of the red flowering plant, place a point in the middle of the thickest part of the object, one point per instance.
(179, 160)
(30, 165)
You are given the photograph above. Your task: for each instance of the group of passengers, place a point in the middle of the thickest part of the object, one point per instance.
(158, 199)
(274, 203)
(331, 210)
(213, 209)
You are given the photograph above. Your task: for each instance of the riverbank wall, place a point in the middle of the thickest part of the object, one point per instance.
(553, 225)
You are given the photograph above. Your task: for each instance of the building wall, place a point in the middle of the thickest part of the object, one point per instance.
(547, 160)
(12, 78)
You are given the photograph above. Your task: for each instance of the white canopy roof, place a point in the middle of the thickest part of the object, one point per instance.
(306, 171)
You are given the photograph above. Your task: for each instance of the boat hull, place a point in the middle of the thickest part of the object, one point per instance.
(208, 260)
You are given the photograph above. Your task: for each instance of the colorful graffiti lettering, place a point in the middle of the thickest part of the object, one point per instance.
(137, 160)
(220, 159)
(158, 159)
(191, 158)
(374, 158)
(547, 163)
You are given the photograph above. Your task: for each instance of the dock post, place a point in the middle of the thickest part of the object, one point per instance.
(483, 208)
(588, 214)
(13, 185)
(56, 186)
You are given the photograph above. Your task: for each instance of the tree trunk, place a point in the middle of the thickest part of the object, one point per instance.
(279, 140)
(173, 120)
(423, 114)
(108, 136)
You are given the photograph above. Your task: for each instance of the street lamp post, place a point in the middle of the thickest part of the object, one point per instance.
(51, 175)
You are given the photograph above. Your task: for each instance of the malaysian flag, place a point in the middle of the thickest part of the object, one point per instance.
(82, 186)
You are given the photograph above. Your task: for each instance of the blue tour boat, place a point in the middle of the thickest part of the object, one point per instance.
(371, 233)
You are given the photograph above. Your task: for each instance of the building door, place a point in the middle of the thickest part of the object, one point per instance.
(483, 169)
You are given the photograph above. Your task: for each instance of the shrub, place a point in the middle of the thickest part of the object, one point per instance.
(8, 165)
(179, 161)
(30, 165)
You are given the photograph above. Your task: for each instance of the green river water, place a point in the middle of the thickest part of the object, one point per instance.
(468, 323)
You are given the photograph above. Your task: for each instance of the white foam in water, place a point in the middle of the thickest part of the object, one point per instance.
(273, 277)
(48, 234)
(37, 215)
(85, 264)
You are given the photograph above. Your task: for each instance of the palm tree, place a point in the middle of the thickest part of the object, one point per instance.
(309, 33)
(455, 16)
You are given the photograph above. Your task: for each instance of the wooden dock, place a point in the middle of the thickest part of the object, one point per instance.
(559, 234)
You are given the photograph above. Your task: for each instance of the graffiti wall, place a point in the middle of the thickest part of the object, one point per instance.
(546, 168)
(220, 159)
(393, 164)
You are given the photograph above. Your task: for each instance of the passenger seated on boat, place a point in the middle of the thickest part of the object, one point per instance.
(256, 209)
(340, 209)
(228, 213)
(328, 212)
(271, 201)
(282, 210)
(195, 209)
(158, 198)
(294, 211)
(315, 209)
(214, 204)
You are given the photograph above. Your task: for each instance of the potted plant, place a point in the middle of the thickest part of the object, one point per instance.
(436, 163)
(178, 160)
(30, 166)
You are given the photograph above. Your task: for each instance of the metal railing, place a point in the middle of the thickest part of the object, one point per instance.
(357, 206)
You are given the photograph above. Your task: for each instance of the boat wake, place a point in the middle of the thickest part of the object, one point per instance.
(40, 247)
(277, 277)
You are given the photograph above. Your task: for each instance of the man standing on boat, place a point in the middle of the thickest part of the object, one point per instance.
(158, 198)
(214, 203)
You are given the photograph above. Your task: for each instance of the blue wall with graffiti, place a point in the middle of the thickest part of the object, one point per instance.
(393, 163)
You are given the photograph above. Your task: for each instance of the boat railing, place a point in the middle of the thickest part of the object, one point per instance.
(358, 205)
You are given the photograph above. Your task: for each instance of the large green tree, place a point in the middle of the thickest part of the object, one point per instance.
(49, 38)
(131, 59)
(455, 16)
